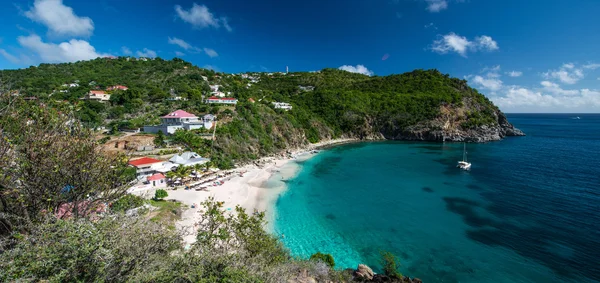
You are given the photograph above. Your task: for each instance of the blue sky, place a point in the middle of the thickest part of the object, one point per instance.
(527, 56)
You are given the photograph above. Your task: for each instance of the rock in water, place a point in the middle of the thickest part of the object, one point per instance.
(364, 272)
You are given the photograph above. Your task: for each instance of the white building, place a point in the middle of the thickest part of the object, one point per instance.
(178, 120)
(97, 95)
(221, 100)
(147, 166)
(282, 105)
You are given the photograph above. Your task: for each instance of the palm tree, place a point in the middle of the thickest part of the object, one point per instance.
(183, 172)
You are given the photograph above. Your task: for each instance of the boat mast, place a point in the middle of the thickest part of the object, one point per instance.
(464, 151)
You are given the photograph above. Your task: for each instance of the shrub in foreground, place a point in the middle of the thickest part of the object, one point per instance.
(326, 258)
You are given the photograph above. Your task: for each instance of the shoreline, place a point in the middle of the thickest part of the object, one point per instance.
(254, 190)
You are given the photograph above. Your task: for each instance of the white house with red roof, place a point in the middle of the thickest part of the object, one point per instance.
(97, 95)
(117, 87)
(179, 120)
(158, 180)
(222, 100)
(146, 166)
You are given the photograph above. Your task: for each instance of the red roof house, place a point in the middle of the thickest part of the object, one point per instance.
(156, 177)
(121, 87)
(144, 161)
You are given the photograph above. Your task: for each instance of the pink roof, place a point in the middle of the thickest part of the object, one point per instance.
(180, 114)
(143, 161)
(97, 92)
(221, 98)
(156, 177)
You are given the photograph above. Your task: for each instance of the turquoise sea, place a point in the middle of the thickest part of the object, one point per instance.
(528, 211)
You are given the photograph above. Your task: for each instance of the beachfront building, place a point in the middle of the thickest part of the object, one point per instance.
(282, 105)
(221, 100)
(97, 95)
(158, 180)
(147, 166)
(188, 158)
(179, 120)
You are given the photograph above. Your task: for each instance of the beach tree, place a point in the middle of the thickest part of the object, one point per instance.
(326, 258)
(159, 140)
(51, 165)
(160, 194)
(390, 265)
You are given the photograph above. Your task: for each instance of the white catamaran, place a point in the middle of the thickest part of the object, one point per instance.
(464, 164)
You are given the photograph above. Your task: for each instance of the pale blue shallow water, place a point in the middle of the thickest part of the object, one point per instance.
(528, 211)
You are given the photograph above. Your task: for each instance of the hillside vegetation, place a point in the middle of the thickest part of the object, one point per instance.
(419, 105)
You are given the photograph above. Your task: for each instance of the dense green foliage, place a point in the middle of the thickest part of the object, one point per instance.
(326, 104)
(326, 258)
(160, 194)
(127, 202)
(390, 265)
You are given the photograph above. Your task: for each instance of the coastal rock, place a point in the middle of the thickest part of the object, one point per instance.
(302, 278)
(364, 272)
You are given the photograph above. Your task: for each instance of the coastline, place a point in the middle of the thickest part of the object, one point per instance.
(256, 189)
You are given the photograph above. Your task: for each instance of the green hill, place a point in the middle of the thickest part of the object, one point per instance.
(419, 105)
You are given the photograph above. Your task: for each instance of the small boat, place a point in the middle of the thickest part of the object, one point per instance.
(464, 165)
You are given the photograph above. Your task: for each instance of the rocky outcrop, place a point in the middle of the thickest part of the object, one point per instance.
(364, 272)
(450, 127)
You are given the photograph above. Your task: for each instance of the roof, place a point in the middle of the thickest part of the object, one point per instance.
(188, 158)
(156, 177)
(97, 92)
(250, 99)
(143, 161)
(180, 114)
(221, 98)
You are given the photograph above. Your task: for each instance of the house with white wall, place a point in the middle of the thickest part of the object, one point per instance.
(97, 95)
(221, 100)
(178, 120)
(282, 105)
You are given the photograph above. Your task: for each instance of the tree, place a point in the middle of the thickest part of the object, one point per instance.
(326, 258)
(160, 194)
(159, 140)
(390, 265)
(50, 165)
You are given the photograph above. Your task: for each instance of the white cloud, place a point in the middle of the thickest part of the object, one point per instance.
(200, 17)
(514, 74)
(520, 99)
(554, 88)
(211, 67)
(591, 66)
(226, 25)
(13, 59)
(60, 19)
(492, 83)
(430, 25)
(435, 6)
(360, 69)
(71, 51)
(180, 42)
(486, 43)
(567, 74)
(179, 54)
(183, 44)
(146, 53)
(126, 50)
(210, 52)
(453, 42)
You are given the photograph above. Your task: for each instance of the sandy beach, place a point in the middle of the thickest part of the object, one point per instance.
(255, 190)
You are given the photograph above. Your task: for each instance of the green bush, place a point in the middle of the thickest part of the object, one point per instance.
(160, 194)
(390, 265)
(127, 202)
(326, 258)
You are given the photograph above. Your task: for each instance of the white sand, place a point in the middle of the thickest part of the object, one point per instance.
(250, 191)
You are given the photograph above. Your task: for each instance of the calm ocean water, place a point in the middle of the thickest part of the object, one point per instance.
(528, 211)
